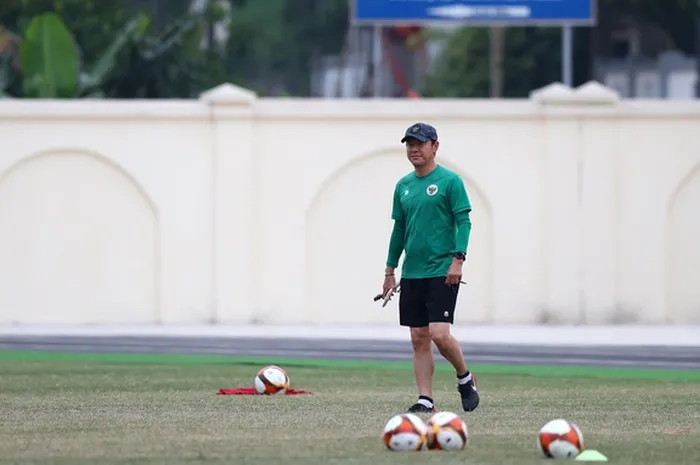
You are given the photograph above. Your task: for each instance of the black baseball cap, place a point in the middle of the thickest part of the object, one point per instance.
(421, 131)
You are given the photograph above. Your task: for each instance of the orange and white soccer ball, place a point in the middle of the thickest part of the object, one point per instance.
(560, 439)
(405, 432)
(272, 380)
(447, 431)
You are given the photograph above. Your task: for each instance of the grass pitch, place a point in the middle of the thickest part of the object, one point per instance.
(79, 411)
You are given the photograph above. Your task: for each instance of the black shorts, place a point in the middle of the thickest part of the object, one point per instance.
(426, 300)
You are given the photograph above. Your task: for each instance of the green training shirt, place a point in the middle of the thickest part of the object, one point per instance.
(431, 222)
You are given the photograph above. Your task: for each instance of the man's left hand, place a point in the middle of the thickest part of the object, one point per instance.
(454, 273)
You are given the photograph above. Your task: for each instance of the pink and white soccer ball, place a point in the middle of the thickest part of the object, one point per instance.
(560, 439)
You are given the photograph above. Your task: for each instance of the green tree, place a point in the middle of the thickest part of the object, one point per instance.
(93, 23)
(273, 44)
(674, 19)
(532, 59)
(157, 62)
(50, 67)
(170, 65)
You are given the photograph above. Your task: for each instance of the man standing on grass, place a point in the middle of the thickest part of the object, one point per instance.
(431, 210)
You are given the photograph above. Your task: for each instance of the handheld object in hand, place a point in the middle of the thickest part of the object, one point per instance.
(391, 293)
(388, 296)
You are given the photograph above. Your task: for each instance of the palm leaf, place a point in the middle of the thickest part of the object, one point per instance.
(49, 59)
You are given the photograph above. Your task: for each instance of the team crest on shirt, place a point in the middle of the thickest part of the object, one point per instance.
(432, 190)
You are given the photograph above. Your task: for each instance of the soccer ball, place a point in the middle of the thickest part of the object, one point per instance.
(447, 431)
(560, 439)
(405, 432)
(272, 380)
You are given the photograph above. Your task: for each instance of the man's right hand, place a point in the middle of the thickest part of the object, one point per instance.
(389, 285)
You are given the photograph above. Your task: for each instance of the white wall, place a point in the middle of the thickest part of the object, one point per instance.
(237, 209)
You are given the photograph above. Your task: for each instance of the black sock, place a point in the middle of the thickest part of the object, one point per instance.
(465, 378)
(426, 401)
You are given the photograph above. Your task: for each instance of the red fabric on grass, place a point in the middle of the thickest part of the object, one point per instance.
(250, 391)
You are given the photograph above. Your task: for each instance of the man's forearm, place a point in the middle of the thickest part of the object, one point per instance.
(396, 244)
(464, 228)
